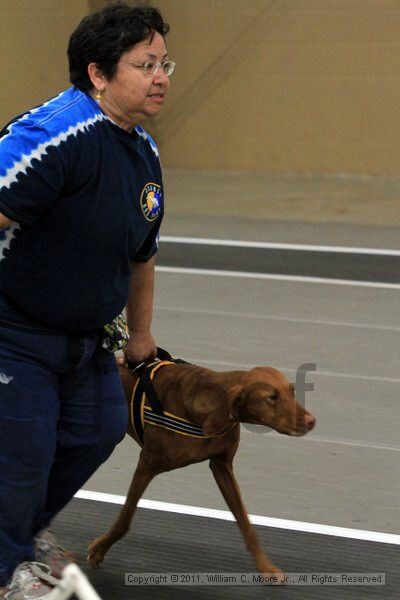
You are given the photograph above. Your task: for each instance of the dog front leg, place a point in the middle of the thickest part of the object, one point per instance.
(223, 475)
(99, 547)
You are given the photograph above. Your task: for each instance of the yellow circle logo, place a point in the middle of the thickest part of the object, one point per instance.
(150, 201)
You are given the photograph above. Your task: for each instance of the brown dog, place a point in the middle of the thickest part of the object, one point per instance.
(215, 403)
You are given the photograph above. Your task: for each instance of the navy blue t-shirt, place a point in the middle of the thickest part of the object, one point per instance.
(86, 198)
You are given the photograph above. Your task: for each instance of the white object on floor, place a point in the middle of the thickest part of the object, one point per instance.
(73, 581)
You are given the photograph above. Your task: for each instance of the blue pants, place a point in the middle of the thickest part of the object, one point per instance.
(56, 429)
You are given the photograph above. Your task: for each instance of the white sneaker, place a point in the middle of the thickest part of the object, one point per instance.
(49, 552)
(30, 581)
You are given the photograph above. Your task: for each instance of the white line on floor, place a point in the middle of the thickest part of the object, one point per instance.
(294, 278)
(228, 313)
(198, 511)
(318, 372)
(316, 439)
(277, 246)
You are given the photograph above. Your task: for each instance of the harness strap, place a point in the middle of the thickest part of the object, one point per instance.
(136, 413)
(144, 388)
(154, 414)
(145, 385)
(161, 355)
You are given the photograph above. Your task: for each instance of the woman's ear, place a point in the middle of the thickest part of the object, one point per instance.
(96, 76)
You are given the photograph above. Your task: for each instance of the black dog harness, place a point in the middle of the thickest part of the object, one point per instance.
(146, 407)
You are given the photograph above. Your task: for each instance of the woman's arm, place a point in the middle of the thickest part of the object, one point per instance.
(139, 313)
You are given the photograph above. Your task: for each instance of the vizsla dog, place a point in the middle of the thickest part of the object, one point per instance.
(210, 406)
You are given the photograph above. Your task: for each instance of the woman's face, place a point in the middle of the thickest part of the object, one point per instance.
(130, 96)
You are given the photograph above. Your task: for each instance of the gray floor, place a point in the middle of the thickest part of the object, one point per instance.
(346, 472)
(172, 543)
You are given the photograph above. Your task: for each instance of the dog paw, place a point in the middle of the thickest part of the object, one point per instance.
(96, 552)
(272, 576)
(278, 577)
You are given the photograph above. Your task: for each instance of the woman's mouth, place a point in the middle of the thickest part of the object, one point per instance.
(157, 97)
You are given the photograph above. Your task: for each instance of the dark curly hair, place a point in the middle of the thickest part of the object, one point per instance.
(102, 37)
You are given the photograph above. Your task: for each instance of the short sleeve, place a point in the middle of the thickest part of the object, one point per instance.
(32, 174)
(150, 246)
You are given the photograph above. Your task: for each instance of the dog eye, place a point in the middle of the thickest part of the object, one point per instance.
(273, 397)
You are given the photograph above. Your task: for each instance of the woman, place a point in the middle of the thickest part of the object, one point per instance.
(81, 201)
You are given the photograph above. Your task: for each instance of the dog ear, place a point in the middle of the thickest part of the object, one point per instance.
(213, 407)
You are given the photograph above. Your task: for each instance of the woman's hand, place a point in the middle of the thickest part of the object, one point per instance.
(138, 349)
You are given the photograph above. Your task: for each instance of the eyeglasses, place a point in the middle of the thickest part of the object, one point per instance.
(151, 68)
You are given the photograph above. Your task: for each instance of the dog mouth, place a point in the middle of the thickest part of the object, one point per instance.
(291, 432)
(302, 430)
(295, 432)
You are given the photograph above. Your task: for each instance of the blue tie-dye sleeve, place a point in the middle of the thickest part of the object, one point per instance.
(31, 172)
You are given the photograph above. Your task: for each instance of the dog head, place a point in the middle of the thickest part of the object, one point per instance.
(262, 396)
(267, 398)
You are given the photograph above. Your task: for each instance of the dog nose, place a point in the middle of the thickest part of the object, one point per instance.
(309, 422)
